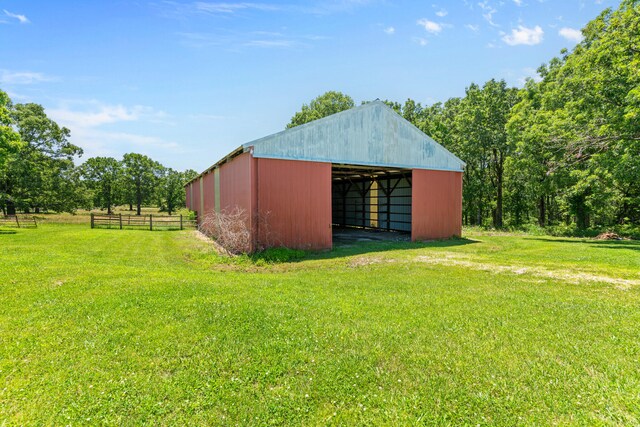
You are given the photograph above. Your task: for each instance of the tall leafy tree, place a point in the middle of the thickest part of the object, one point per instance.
(579, 129)
(102, 175)
(140, 177)
(324, 105)
(171, 190)
(481, 126)
(10, 146)
(42, 173)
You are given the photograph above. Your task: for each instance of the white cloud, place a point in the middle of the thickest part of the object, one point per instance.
(390, 30)
(474, 28)
(528, 73)
(571, 34)
(420, 41)
(202, 116)
(430, 26)
(489, 11)
(23, 19)
(524, 35)
(23, 77)
(228, 8)
(271, 43)
(442, 13)
(91, 114)
(87, 119)
(252, 39)
(139, 140)
(518, 2)
(95, 142)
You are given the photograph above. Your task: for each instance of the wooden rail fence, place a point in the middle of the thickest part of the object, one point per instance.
(145, 222)
(18, 222)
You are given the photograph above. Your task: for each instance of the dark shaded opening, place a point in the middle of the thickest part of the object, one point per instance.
(371, 198)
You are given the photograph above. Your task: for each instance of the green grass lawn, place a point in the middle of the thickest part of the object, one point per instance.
(136, 327)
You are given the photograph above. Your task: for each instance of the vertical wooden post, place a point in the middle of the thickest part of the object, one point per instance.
(180, 221)
(120, 221)
(92, 220)
(150, 222)
(17, 222)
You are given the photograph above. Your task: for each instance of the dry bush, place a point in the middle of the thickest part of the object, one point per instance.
(609, 235)
(230, 229)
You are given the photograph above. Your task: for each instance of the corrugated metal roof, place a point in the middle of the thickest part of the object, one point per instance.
(371, 134)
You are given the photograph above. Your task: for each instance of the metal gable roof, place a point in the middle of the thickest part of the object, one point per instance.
(371, 134)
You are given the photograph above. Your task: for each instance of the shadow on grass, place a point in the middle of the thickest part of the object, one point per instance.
(281, 255)
(8, 231)
(608, 244)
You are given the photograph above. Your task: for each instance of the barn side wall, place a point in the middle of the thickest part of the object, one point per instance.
(208, 188)
(294, 203)
(195, 199)
(187, 190)
(436, 207)
(236, 185)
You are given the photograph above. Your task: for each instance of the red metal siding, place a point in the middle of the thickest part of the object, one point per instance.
(195, 203)
(187, 190)
(236, 184)
(436, 206)
(295, 199)
(208, 187)
(237, 187)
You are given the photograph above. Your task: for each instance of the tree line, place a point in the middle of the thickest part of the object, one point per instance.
(562, 151)
(38, 173)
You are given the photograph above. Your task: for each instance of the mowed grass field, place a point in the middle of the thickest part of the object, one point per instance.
(112, 327)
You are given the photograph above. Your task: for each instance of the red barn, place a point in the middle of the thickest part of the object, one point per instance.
(365, 167)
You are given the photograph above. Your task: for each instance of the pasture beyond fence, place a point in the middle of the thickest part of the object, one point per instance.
(18, 222)
(142, 222)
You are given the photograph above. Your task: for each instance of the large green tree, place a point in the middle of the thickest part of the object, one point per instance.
(482, 137)
(171, 190)
(41, 175)
(10, 146)
(102, 175)
(141, 175)
(578, 130)
(324, 105)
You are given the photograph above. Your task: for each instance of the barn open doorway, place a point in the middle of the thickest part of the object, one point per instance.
(370, 198)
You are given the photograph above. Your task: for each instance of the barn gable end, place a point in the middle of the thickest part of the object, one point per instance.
(372, 134)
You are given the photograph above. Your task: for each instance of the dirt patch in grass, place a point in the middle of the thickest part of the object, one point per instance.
(210, 242)
(575, 277)
(362, 261)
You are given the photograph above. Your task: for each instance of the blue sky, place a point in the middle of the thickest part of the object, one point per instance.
(187, 82)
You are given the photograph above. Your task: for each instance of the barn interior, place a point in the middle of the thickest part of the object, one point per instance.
(370, 198)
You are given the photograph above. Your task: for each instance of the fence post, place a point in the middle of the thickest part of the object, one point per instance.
(180, 221)
(120, 221)
(150, 222)
(17, 222)
(91, 219)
